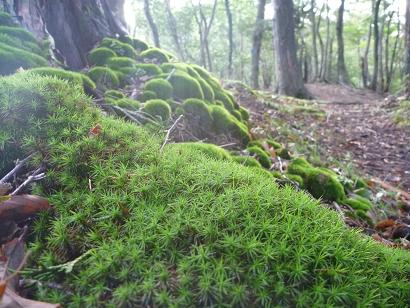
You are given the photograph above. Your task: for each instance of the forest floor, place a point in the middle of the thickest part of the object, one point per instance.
(352, 126)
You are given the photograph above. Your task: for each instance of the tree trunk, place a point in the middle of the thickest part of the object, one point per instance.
(365, 58)
(257, 43)
(321, 44)
(315, 70)
(407, 51)
(288, 72)
(376, 44)
(342, 75)
(323, 75)
(173, 30)
(230, 36)
(75, 26)
(152, 24)
(390, 71)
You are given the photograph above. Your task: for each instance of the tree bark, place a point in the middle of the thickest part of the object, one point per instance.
(230, 36)
(289, 75)
(342, 75)
(173, 30)
(365, 58)
(315, 70)
(257, 38)
(321, 44)
(407, 51)
(152, 24)
(376, 44)
(390, 72)
(75, 26)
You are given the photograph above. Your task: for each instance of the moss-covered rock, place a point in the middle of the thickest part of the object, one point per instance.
(19, 33)
(247, 161)
(7, 20)
(128, 103)
(261, 156)
(114, 94)
(274, 144)
(296, 178)
(149, 69)
(12, 58)
(226, 123)
(146, 96)
(75, 77)
(118, 63)
(284, 153)
(161, 87)
(156, 55)
(244, 113)
(158, 108)
(359, 203)
(139, 45)
(224, 98)
(197, 113)
(209, 149)
(100, 56)
(185, 87)
(120, 48)
(104, 77)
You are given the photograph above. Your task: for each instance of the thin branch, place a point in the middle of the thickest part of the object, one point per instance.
(167, 137)
(35, 176)
(19, 165)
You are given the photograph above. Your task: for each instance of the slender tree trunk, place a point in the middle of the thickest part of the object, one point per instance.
(173, 30)
(321, 44)
(288, 72)
(365, 58)
(315, 70)
(407, 51)
(390, 73)
(230, 36)
(330, 65)
(376, 44)
(380, 84)
(152, 24)
(342, 75)
(257, 43)
(205, 33)
(323, 75)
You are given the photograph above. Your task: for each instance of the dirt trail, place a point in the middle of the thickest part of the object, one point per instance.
(359, 123)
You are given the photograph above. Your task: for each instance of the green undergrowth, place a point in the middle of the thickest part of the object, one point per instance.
(176, 228)
(18, 47)
(402, 114)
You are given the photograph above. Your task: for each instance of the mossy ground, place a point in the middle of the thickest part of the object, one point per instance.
(178, 228)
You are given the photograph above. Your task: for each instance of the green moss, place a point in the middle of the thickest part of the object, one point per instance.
(146, 96)
(402, 114)
(359, 203)
(206, 89)
(360, 183)
(155, 54)
(247, 161)
(237, 115)
(128, 103)
(139, 45)
(161, 87)
(224, 98)
(226, 123)
(78, 78)
(118, 63)
(100, 56)
(169, 67)
(284, 153)
(19, 33)
(104, 77)
(114, 94)
(185, 87)
(149, 69)
(13, 58)
(209, 149)
(244, 113)
(257, 143)
(296, 178)
(197, 113)
(324, 185)
(300, 166)
(274, 144)
(174, 225)
(261, 156)
(120, 48)
(158, 108)
(6, 20)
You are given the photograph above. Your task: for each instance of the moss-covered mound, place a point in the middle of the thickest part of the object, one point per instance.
(18, 48)
(158, 108)
(176, 228)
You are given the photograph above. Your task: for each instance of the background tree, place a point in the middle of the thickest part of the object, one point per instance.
(342, 75)
(230, 36)
(152, 24)
(407, 50)
(289, 77)
(257, 43)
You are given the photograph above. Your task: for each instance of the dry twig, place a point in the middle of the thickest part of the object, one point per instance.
(169, 132)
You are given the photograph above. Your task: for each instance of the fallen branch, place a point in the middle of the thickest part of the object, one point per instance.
(167, 136)
(35, 176)
(18, 166)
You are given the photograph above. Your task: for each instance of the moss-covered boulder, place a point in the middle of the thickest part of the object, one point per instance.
(120, 48)
(7, 20)
(359, 203)
(261, 155)
(128, 103)
(247, 161)
(119, 63)
(161, 87)
(185, 87)
(210, 150)
(146, 96)
(148, 69)
(100, 56)
(197, 114)
(225, 123)
(155, 55)
(104, 77)
(114, 94)
(158, 108)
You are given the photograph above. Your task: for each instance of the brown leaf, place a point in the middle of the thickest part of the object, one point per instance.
(385, 224)
(3, 286)
(12, 299)
(21, 207)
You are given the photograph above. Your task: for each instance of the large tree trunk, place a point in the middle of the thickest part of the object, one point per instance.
(407, 51)
(75, 25)
(289, 75)
(376, 44)
(257, 43)
(230, 36)
(342, 75)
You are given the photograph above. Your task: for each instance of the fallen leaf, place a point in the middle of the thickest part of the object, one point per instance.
(21, 207)
(385, 224)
